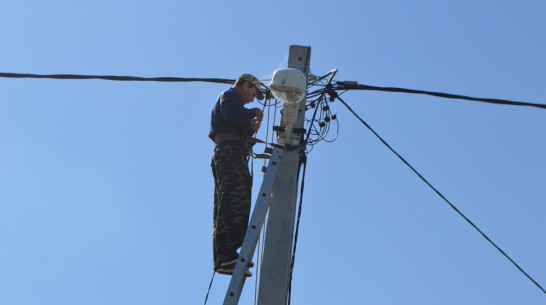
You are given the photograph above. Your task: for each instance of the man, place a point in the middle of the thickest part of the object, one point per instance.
(231, 126)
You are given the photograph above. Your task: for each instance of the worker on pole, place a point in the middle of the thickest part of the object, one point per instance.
(231, 127)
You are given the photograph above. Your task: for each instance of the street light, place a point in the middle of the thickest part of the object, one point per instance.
(290, 86)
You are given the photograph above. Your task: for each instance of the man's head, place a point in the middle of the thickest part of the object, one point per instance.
(248, 87)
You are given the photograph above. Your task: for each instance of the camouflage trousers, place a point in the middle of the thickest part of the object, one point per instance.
(232, 195)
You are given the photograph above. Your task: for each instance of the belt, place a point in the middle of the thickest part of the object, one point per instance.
(235, 137)
(229, 136)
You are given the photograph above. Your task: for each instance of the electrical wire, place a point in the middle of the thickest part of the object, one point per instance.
(118, 78)
(257, 270)
(354, 86)
(210, 285)
(324, 126)
(302, 161)
(319, 125)
(345, 85)
(440, 194)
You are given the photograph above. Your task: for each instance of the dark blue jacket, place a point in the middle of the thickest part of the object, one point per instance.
(229, 115)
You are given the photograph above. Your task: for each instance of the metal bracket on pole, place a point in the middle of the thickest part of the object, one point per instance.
(254, 227)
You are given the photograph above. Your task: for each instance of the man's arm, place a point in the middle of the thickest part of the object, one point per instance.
(235, 113)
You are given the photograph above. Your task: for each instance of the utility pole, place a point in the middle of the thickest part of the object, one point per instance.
(278, 193)
(277, 256)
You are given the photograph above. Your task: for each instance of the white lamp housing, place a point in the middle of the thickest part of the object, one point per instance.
(289, 85)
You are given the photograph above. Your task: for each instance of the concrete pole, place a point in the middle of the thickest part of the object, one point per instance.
(275, 276)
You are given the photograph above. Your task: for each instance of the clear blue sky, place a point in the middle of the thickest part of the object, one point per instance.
(106, 190)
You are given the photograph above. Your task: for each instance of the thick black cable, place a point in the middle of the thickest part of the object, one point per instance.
(302, 161)
(339, 85)
(440, 194)
(354, 86)
(118, 78)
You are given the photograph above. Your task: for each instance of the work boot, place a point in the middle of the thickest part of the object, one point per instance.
(234, 261)
(227, 268)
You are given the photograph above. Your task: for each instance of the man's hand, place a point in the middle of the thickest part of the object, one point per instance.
(255, 124)
(259, 114)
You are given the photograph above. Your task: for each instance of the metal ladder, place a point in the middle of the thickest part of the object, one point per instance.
(254, 227)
